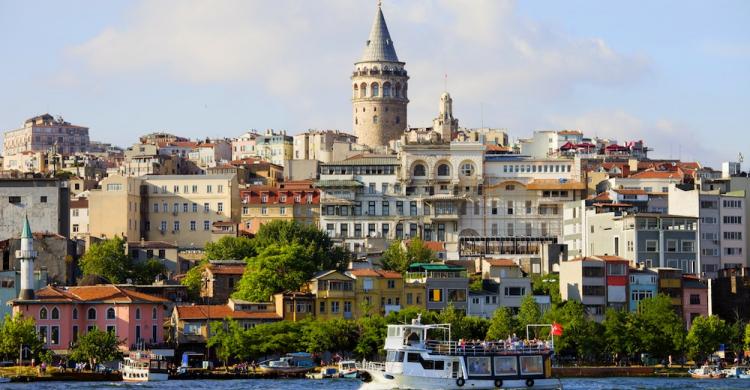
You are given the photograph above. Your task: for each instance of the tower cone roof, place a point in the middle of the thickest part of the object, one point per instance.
(379, 44)
(26, 232)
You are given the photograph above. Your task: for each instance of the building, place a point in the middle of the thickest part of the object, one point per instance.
(244, 146)
(584, 280)
(163, 252)
(211, 152)
(730, 293)
(10, 287)
(62, 314)
(274, 146)
(379, 89)
(382, 292)
(44, 132)
(444, 284)
(220, 278)
(694, 299)
(45, 202)
(511, 283)
(670, 284)
(324, 146)
(180, 209)
(255, 171)
(189, 324)
(617, 282)
(56, 256)
(79, 218)
(334, 295)
(643, 285)
(287, 201)
(484, 303)
(295, 305)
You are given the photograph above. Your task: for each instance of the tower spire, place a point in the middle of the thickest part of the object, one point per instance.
(379, 45)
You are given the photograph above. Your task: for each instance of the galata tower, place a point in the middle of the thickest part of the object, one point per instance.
(379, 85)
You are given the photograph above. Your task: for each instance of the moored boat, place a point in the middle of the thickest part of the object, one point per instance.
(707, 372)
(416, 360)
(144, 366)
(291, 364)
(736, 372)
(348, 369)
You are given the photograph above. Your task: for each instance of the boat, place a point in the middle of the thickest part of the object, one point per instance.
(416, 359)
(707, 372)
(4, 379)
(348, 369)
(325, 373)
(736, 372)
(290, 364)
(143, 366)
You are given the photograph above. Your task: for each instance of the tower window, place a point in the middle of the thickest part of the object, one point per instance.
(375, 119)
(398, 90)
(356, 122)
(363, 90)
(375, 109)
(386, 89)
(398, 119)
(375, 90)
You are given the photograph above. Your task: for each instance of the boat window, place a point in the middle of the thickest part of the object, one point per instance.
(428, 364)
(412, 358)
(439, 365)
(394, 356)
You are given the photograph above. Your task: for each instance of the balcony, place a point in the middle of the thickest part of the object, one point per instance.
(335, 293)
(423, 276)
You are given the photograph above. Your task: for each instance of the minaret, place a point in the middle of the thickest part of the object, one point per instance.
(445, 124)
(379, 85)
(26, 255)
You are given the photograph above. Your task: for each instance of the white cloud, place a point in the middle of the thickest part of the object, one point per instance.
(301, 53)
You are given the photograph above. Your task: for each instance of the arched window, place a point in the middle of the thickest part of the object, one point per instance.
(153, 313)
(356, 90)
(363, 90)
(398, 90)
(111, 313)
(398, 119)
(467, 169)
(386, 89)
(374, 90)
(91, 314)
(443, 170)
(43, 313)
(137, 313)
(356, 121)
(75, 313)
(55, 313)
(419, 170)
(375, 119)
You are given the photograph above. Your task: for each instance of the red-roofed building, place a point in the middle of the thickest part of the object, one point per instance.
(62, 314)
(189, 323)
(382, 292)
(220, 278)
(293, 200)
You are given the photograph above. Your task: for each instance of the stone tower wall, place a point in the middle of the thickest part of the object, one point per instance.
(390, 111)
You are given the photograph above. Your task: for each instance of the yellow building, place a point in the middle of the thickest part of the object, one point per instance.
(334, 295)
(382, 292)
(179, 209)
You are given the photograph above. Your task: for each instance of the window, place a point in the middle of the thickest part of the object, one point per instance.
(91, 314)
(282, 210)
(419, 170)
(111, 329)
(192, 226)
(732, 219)
(335, 307)
(43, 199)
(695, 299)
(413, 207)
(652, 245)
(375, 119)
(206, 208)
(688, 246)
(515, 291)
(114, 187)
(386, 207)
(435, 295)
(220, 207)
(593, 290)
(156, 207)
(467, 169)
(386, 229)
(399, 207)
(322, 308)
(671, 245)
(732, 235)
(220, 188)
(75, 313)
(347, 306)
(443, 170)
(456, 295)
(111, 313)
(43, 313)
(176, 226)
(76, 228)
(195, 189)
(371, 208)
(263, 210)
(75, 333)
(209, 188)
(184, 207)
(206, 225)
(137, 313)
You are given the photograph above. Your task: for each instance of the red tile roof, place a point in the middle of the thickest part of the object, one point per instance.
(219, 312)
(390, 274)
(98, 293)
(227, 269)
(363, 272)
(80, 203)
(601, 197)
(656, 175)
(630, 191)
(501, 263)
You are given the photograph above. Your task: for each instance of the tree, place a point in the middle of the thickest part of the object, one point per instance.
(275, 269)
(226, 339)
(548, 284)
(146, 273)
(529, 313)
(316, 242)
(372, 332)
(660, 330)
(335, 335)
(571, 315)
(502, 324)
(705, 335)
(617, 335)
(107, 258)
(96, 346)
(747, 337)
(15, 332)
(230, 248)
(193, 279)
(396, 258)
(449, 315)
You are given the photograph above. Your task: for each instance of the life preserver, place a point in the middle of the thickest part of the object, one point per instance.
(498, 383)
(460, 382)
(529, 382)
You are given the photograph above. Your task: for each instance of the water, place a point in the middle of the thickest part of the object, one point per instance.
(344, 384)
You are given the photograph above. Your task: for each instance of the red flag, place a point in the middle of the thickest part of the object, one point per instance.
(557, 329)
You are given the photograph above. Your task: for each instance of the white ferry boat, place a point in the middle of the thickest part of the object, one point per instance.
(144, 367)
(416, 360)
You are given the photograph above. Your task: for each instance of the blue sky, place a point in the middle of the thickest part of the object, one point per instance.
(674, 73)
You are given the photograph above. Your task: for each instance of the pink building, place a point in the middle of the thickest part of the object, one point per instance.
(694, 299)
(63, 313)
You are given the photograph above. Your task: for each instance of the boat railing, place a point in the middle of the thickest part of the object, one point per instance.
(372, 366)
(488, 347)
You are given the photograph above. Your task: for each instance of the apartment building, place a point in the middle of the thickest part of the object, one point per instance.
(382, 292)
(44, 201)
(670, 284)
(584, 279)
(643, 285)
(211, 152)
(730, 293)
(79, 218)
(324, 145)
(163, 252)
(292, 200)
(274, 146)
(334, 295)
(244, 145)
(178, 209)
(444, 284)
(44, 132)
(512, 285)
(221, 278)
(694, 299)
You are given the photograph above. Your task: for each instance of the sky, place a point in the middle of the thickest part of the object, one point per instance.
(673, 73)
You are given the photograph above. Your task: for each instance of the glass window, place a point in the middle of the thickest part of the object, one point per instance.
(435, 295)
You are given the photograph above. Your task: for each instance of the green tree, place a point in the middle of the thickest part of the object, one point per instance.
(396, 258)
(227, 339)
(571, 315)
(418, 252)
(476, 283)
(747, 337)
(528, 313)
(107, 258)
(146, 273)
(46, 356)
(96, 346)
(475, 328)
(316, 242)
(230, 248)
(617, 334)
(193, 279)
(502, 324)
(547, 285)
(275, 269)
(449, 315)
(372, 332)
(705, 335)
(335, 335)
(16, 331)
(659, 329)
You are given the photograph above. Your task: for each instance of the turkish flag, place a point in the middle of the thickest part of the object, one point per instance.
(557, 329)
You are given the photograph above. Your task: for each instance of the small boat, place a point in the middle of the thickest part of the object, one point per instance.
(707, 372)
(348, 369)
(291, 364)
(142, 366)
(736, 372)
(325, 373)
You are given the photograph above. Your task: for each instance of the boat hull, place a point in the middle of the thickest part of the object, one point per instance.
(285, 370)
(710, 376)
(398, 381)
(131, 376)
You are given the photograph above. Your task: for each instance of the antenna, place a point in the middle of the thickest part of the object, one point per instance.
(481, 110)
(445, 82)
